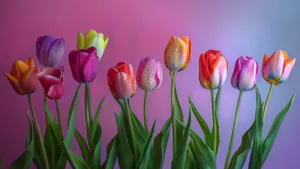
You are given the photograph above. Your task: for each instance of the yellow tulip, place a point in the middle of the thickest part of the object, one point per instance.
(23, 76)
(94, 39)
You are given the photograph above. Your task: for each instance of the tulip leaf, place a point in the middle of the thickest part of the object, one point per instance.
(202, 123)
(190, 157)
(255, 158)
(160, 145)
(144, 159)
(111, 153)
(179, 161)
(96, 161)
(84, 148)
(1, 166)
(125, 156)
(49, 146)
(75, 161)
(140, 126)
(270, 139)
(25, 160)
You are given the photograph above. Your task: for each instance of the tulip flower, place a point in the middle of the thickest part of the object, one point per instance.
(23, 76)
(94, 39)
(149, 74)
(178, 53)
(49, 50)
(52, 79)
(84, 64)
(277, 68)
(245, 74)
(121, 81)
(213, 68)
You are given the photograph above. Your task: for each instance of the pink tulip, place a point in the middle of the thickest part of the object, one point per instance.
(52, 79)
(149, 74)
(245, 73)
(84, 64)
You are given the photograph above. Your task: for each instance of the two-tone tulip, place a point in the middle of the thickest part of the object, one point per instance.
(277, 68)
(245, 73)
(213, 68)
(178, 53)
(23, 76)
(121, 81)
(92, 39)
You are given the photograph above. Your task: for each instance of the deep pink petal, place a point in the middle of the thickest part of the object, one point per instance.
(56, 91)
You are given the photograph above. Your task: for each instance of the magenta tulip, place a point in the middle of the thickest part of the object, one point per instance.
(245, 74)
(49, 50)
(52, 79)
(149, 74)
(84, 64)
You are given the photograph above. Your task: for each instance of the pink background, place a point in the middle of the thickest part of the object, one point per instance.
(139, 28)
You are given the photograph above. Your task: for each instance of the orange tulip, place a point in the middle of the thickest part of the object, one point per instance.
(23, 77)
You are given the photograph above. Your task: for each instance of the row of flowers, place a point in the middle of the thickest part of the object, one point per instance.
(25, 79)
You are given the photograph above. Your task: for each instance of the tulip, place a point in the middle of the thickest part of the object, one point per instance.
(23, 76)
(213, 68)
(121, 81)
(52, 79)
(178, 53)
(245, 74)
(277, 68)
(149, 74)
(49, 50)
(84, 64)
(94, 39)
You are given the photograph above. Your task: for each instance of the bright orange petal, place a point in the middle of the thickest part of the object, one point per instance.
(21, 67)
(30, 62)
(29, 81)
(14, 83)
(285, 55)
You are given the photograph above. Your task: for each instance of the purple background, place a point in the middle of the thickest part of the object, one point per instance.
(142, 28)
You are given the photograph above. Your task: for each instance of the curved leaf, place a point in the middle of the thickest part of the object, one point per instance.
(85, 151)
(112, 151)
(75, 161)
(96, 162)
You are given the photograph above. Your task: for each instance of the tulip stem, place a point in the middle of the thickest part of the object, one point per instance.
(214, 129)
(237, 110)
(88, 111)
(131, 131)
(58, 114)
(267, 101)
(39, 135)
(145, 111)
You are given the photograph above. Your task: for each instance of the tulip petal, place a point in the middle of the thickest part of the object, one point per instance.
(56, 51)
(123, 67)
(90, 67)
(105, 42)
(29, 81)
(248, 76)
(274, 67)
(30, 62)
(75, 65)
(56, 91)
(99, 44)
(203, 72)
(175, 54)
(123, 86)
(159, 75)
(14, 83)
(236, 74)
(289, 64)
(80, 40)
(90, 39)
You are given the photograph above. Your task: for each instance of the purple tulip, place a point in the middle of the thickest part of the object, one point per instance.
(84, 64)
(149, 74)
(49, 50)
(245, 73)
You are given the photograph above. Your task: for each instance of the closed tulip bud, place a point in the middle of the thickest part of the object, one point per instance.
(245, 74)
(149, 74)
(84, 64)
(277, 68)
(52, 79)
(121, 81)
(23, 77)
(213, 68)
(92, 39)
(178, 53)
(49, 50)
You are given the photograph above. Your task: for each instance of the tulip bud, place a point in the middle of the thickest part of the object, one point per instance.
(149, 74)
(178, 53)
(49, 50)
(277, 68)
(213, 68)
(84, 64)
(121, 81)
(245, 74)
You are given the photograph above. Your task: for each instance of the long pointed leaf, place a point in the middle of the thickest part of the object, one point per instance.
(84, 148)
(75, 161)
(112, 151)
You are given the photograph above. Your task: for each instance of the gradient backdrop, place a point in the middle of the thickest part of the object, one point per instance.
(142, 28)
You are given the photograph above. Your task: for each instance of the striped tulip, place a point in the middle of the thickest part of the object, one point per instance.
(277, 68)
(178, 53)
(245, 73)
(213, 68)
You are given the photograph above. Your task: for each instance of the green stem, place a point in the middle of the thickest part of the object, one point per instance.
(267, 101)
(88, 111)
(237, 110)
(39, 135)
(214, 130)
(58, 114)
(173, 76)
(131, 131)
(145, 111)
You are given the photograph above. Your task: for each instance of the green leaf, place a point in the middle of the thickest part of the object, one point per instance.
(179, 161)
(49, 146)
(84, 148)
(96, 163)
(112, 151)
(270, 139)
(125, 156)
(190, 157)
(160, 145)
(255, 159)
(202, 123)
(25, 160)
(139, 125)
(144, 159)
(1, 163)
(75, 161)
(217, 101)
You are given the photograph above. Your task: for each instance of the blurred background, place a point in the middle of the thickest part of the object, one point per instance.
(142, 28)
